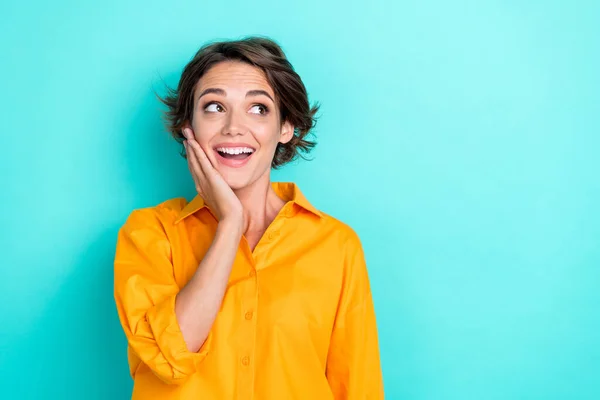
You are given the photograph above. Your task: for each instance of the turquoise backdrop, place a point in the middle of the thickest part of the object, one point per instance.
(460, 139)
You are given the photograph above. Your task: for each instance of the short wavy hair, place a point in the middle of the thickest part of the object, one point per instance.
(261, 52)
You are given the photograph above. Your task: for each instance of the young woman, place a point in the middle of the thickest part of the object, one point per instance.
(248, 291)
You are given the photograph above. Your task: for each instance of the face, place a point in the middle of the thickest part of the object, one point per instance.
(237, 122)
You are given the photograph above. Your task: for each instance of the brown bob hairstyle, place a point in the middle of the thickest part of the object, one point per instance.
(264, 53)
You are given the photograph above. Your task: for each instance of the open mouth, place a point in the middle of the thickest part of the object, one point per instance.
(235, 153)
(234, 156)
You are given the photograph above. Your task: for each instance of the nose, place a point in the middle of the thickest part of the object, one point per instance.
(234, 124)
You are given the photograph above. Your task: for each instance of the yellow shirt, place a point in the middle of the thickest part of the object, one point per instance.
(297, 320)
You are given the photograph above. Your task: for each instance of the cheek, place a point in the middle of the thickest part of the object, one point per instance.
(203, 131)
(267, 135)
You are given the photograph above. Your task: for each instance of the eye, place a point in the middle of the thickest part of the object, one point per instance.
(213, 107)
(259, 109)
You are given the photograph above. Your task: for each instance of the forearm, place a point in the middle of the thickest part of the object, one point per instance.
(198, 303)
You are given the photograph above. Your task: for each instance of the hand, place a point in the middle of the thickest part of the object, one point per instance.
(210, 185)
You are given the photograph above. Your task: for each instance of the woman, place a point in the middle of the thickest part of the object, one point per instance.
(247, 291)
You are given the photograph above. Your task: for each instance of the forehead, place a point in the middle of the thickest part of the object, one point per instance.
(234, 75)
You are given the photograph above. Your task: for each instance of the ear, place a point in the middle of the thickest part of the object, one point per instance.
(287, 132)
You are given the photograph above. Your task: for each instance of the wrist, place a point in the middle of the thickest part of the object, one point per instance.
(231, 226)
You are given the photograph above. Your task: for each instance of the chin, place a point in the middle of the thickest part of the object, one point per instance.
(237, 181)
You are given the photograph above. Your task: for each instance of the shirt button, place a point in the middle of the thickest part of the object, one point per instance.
(252, 273)
(273, 234)
(246, 361)
(248, 315)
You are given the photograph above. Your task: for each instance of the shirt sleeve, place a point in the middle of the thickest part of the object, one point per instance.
(145, 290)
(353, 364)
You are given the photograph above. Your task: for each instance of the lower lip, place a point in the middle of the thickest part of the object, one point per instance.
(231, 162)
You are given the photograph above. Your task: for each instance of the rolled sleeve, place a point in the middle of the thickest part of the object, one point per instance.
(171, 344)
(145, 294)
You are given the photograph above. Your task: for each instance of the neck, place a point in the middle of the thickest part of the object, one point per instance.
(261, 204)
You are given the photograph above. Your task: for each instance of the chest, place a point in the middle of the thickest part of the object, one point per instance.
(290, 275)
(253, 238)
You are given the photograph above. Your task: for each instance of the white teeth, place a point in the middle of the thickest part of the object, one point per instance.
(235, 150)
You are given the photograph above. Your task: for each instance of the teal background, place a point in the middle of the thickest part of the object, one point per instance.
(460, 139)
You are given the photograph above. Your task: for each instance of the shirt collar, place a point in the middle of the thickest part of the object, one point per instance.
(287, 191)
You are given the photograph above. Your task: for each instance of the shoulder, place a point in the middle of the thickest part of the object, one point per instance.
(352, 262)
(162, 214)
(347, 236)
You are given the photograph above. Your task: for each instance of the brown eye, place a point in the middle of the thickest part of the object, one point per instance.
(259, 109)
(214, 107)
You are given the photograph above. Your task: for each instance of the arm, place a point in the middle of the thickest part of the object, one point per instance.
(198, 303)
(167, 327)
(353, 366)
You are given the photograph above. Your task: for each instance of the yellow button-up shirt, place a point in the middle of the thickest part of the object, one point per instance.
(296, 322)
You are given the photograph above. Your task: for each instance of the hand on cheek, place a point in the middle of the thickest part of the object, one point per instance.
(210, 185)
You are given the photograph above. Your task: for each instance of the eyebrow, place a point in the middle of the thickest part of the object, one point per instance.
(259, 93)
(221, 92)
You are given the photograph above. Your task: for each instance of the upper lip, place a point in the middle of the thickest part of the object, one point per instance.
(234, 145)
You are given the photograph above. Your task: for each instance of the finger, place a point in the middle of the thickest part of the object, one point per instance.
(197, 173)
(189, 155)
(200, 153)
(205, 164)
(187, 133)
(193, 163)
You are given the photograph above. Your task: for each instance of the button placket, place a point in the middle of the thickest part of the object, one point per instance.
(247, 333)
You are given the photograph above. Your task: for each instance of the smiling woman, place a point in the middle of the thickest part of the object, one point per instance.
(247, 291)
